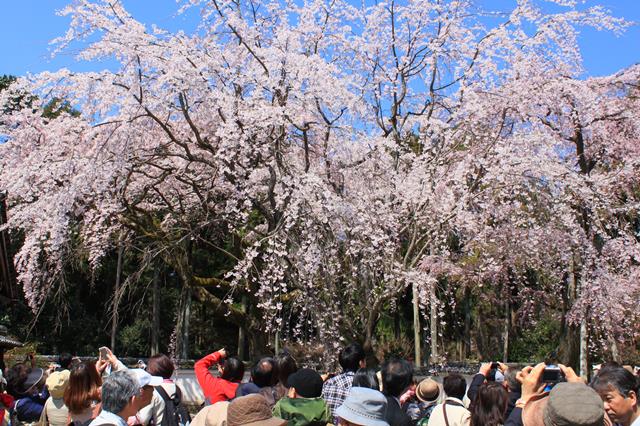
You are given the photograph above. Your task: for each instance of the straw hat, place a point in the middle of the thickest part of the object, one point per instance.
(427, 390)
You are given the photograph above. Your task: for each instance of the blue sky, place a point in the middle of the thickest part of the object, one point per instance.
(29, 25)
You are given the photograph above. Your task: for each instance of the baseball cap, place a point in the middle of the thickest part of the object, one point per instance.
(146, 379)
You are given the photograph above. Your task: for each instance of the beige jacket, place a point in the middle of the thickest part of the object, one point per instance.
(457, 414)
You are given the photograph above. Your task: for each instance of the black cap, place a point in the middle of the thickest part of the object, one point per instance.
(307, 382)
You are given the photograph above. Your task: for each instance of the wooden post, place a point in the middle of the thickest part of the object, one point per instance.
(185, 325)
(417, 335)
(155, 312)
(433, 305)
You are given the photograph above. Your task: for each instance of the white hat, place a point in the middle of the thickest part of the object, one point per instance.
(145, 378)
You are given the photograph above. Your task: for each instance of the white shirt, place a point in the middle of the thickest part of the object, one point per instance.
(105, 417)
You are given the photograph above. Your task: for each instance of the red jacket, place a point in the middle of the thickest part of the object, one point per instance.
(6, 404)
(214, 388)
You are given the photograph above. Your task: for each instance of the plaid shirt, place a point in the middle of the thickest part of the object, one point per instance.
(335, 390)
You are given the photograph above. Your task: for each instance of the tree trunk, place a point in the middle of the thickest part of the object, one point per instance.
(433, 308)
(569, 340)
(181, 317)
(396, 321)
(467, 325)
(242, 333)
(505, 333)
(155, 312)
(185, 325)
(584, 341)
(615, 353)
(416, 327)
(8, 286)
(116, 298)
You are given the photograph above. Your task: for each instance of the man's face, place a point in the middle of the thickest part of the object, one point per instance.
(619, 408)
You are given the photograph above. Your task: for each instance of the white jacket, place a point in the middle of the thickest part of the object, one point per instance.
(155, 410)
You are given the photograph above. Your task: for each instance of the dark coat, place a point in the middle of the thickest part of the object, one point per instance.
(395, 415)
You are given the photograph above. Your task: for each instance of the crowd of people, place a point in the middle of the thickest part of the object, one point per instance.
(278, 392)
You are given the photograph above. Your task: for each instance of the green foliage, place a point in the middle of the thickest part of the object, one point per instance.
(5, 81)
(56, 107)
(18, 100)
(537, 343)
(52, 109)
(133, 339)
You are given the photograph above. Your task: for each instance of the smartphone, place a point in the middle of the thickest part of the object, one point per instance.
(495, 365)
(104, 352)
(552, 374)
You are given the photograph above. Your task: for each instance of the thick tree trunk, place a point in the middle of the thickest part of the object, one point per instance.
(155, 312)
(181, 318)
(417, 335)
(568, 352)
(370, 325)
(116, 297)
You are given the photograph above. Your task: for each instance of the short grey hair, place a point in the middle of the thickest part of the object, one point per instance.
(117, 391)
(510, 376)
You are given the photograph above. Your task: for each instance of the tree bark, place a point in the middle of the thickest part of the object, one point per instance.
(116, 297)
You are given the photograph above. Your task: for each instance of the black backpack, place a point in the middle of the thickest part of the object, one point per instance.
(175, 413)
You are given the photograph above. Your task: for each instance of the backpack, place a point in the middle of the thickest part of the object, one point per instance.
(175, 413)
